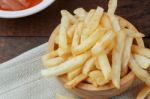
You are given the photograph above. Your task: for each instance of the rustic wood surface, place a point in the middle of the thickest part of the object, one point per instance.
(42, 24)
(19, 35)
(11, 47)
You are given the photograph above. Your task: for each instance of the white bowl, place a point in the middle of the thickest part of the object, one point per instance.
(22, 13)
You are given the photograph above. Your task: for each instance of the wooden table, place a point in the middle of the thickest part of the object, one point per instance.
(20, 35)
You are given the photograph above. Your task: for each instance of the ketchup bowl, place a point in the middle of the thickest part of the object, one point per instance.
(26, 12)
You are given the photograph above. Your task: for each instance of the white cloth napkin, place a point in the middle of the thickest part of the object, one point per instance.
(20, 78)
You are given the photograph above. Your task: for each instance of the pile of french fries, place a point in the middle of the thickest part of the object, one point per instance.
(96, 48)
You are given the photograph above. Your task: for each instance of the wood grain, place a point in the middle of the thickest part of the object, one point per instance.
(43, 23)
(11, 47)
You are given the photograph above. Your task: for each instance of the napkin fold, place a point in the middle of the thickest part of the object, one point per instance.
(20, 78)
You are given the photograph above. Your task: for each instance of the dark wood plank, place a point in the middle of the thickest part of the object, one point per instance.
(10, 47)
(43, 23)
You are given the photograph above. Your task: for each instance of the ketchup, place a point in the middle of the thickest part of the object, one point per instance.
(14, 5)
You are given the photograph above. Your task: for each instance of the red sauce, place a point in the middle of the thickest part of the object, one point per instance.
(14, 5)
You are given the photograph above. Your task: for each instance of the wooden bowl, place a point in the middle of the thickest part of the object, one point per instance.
(87, 91)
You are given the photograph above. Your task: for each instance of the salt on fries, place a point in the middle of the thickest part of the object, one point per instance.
(97, 48)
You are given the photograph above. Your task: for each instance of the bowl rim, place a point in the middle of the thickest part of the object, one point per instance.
(26, 12)
(128, 79)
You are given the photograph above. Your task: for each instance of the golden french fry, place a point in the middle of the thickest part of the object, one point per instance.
(97, 77)
(141, 51)
(115, 22)
(75, 81)
(103, 42)
(117, 59)
(134, 34)
(51, 41)
(71, 18)
(50, 55)
(126, 55)
(89, 16)
(110, 47)
(142, 61)
(77, 35)
(89, 80)
(89, 42)
(67, 66)
(56, 41)
(59, 96)
(53, 61)
(140, 42)
(71, 31)
(105, 22)
(105, 65)
(97, 65)
(92, 24)
(63, 53)
(74, 73)
(143, 93)
(63, 32)
(80, 13)
(139, 72)
(89, 65)
(112, 5)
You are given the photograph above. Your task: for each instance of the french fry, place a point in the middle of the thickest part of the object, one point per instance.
(77, 35)
(142, 61)
(80, 14)
(105, 22)
(71, 84)
(115, 22)
(53, 35)
(67, 66)
(89, 16)
(126, 55)
(56, 41)
(110, 47)
(97, 77)
(139, 72)
(74, 73)
(71, 31)
(89, 42)
(112, 5)
(143, 93)
(117, 59)
(141, 51)
(92, 24)
(134, 34)
(104, 65)
(63, 53)
(63, 32)
(53, 61)
(89, 80)
(97, 65)
(103, 43)
(89, 65)
(71, 18)
(140, 42)
(50, 55)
